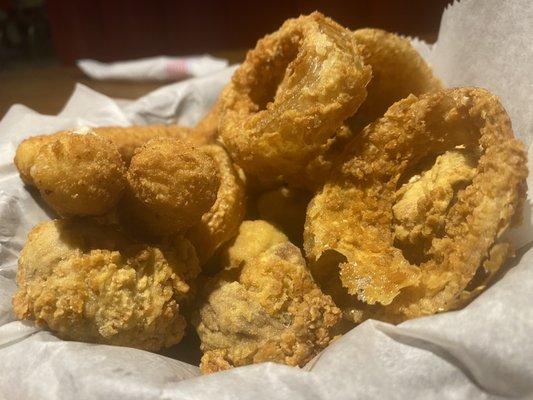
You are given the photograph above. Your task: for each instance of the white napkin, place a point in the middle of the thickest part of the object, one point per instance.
(153, 68)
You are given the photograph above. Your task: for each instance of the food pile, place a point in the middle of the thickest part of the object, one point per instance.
(335, 180)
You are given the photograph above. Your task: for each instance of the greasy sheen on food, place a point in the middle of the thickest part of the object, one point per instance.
(269, 309)
(171, 184)
(354, 215)
(286, 102)
(95, 284)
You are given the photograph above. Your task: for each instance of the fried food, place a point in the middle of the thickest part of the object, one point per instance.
(206, 131)
(268, 310)
(126, 139)
(285, 208)
(397, 71)
(170, 186)
(27, 152)
(129, 138)
(95, 284)
(343, 142)
(222, 221)
(287, 101)
(421, 204)
(353, 215)
(254, 238)
(79, 174)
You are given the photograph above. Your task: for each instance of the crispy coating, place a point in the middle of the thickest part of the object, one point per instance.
(129, 138)
(285, 208)
(206, 131)
(268, 310)
(27, 152)
(92, 283)
(222, 221)
(422, 203)
(170, 186)
(499, 253)
(285, 104)
(79, 174)
(126, 139)
(397, 71)
(353, 214)
(254, 238)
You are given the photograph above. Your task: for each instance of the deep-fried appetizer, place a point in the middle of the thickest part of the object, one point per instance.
(285, 208)
(254, 238)
(397, 71)
(129, 138)
(171, 184)
(268, 310)
(79, 174)
(222, 221)
(354, 213)
(286, 102)
(206, 131)
(27, 151)
(422, 202)
(340, 142)
(92, 283)
(126, 139)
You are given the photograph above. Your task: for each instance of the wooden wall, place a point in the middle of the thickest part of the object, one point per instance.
(119, 29)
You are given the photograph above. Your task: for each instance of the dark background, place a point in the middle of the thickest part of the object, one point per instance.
(41, 39)
(110, 30)
(141, 28)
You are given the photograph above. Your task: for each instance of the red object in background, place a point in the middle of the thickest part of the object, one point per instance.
(5, 5)
(119, 29)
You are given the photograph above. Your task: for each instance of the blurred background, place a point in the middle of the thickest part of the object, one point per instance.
(40, 40)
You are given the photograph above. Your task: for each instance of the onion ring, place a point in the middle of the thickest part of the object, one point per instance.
(287, 100)
(222, 221)
(206, 131)
(353, 214)
(398, 70)
(421, 204)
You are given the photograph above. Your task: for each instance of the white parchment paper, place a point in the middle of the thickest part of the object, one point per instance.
(482, 351)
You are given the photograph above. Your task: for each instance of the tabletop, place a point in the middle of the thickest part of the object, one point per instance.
(46, 89)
